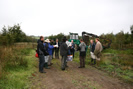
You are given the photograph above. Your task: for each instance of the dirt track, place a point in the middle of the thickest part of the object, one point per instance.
(75, 78)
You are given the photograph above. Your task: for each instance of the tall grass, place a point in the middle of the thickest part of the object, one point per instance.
(15, 66)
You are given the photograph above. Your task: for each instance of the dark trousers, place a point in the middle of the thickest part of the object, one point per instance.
(72, 52)
(52, 53)
(93, 60)
(57, 53)
(63, 62)
(82, 61)
(41, 62)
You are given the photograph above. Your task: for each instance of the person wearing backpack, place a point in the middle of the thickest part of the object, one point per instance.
(46, 55)
(82, 48)
(41, 52)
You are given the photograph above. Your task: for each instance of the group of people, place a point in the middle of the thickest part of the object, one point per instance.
(46, 49)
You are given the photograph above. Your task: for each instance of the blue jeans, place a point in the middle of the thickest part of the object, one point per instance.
(41, 62)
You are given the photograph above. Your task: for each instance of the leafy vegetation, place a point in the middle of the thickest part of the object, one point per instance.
(14, 34)
(118, 63)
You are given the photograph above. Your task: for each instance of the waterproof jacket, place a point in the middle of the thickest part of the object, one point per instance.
(40, 48)
(50, 48)
(64, 49)
(82, 47)
(98, 49)
(92, 47)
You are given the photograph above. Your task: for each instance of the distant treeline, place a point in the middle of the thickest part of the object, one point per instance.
(120, 40)
(10, 35)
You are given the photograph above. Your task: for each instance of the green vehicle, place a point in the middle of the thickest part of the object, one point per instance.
(75, 38)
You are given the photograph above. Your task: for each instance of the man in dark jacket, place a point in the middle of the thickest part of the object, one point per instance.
(41, 51)
(57, 49)
(72, 48)
(92, 48)
(63, 52)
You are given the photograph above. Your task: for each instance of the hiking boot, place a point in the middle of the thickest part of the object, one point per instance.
(42, 72)
(80, 67)
(83, 67)
(63, 69)
(47, 67)
(66, 65)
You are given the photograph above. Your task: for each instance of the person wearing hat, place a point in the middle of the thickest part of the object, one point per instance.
(50, 51)
(63, 52)
(46, 55)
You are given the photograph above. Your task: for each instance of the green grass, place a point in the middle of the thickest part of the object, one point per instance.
(118, 63)
(17, 77)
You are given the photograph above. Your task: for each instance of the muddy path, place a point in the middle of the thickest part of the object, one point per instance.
(75, 78)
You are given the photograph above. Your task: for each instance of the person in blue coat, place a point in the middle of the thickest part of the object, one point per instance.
(50, 51)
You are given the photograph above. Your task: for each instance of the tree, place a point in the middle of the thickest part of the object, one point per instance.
(131, 28)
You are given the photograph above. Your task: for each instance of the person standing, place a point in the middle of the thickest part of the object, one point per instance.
(92, 48)
(50, 48)
(41, 52)
(46, 55)
(72, 48)
(63, 52)
(82, 48)
(52, 43)
(57, 49)
(98, 49)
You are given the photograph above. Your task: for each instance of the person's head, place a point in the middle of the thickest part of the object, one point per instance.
(56, 40)
(47, 41)
(52, 40)
(72, 41)
(64, 39)
(96, 40)
(41, 38)
(81, 40)
(91, 41)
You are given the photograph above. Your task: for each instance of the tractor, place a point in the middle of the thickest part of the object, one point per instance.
(105, 42)
(86, 38)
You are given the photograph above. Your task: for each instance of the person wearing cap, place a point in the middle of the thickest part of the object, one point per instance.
(98, 49)
(46, 55)
(50, 49)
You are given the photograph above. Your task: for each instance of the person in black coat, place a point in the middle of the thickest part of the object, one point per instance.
(72, 48)
(92, 48)
(41, 52)
(63, 52)
(57, 49)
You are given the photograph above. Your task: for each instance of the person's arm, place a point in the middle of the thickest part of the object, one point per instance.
(42, 47)
(51, 47)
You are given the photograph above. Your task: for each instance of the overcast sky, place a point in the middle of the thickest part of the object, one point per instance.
(47, 17)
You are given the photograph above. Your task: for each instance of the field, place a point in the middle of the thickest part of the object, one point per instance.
(19, 69)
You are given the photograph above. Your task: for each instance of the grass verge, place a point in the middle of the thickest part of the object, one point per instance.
(16, 77)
